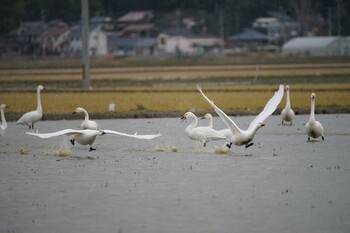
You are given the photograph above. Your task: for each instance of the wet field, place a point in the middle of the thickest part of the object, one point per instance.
(172, 184)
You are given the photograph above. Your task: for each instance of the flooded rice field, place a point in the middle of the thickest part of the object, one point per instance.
(172, 184)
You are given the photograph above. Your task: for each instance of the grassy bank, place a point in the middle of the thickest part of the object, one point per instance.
(178, 98)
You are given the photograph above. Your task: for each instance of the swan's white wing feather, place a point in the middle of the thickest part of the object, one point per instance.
(149, 136)
(56, 134)
(269, 108)
(226, 119)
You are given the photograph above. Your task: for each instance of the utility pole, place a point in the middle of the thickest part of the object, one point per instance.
(85, 40)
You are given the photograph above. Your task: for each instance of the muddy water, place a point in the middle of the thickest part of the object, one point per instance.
(281, 184)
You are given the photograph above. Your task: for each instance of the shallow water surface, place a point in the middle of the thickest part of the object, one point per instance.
(172, 184)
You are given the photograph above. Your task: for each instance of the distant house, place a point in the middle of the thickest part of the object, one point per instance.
(25, 37)
(97, 40)
(122, 46)
(133, 17)
(249, 39)
(278, 26)
(137, 24)
(53, 40)
(183, 41)
(318, 46)
(140, 30)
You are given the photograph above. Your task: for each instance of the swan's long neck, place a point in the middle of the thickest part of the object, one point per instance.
(288, 100)
(193, 124)
(86, 115)
(3, 120)
(210, 122)
(38, 101)
(312, 112)
(254, 130)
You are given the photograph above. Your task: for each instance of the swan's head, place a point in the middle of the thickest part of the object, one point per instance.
(3, 106)
(78, 110)
(188, 115)
(207, 116)
(287, 87)
(40, 87)
(101, 133)
(260, 124)
(313, 96)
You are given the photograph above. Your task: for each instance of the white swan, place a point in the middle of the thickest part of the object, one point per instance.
(202, 134)
(313, 128)
(209, 117)
(88, 136)
(30, 118)
(225, 132)
(3, 125)
(87, 124)
(244, 137)
(287, 113)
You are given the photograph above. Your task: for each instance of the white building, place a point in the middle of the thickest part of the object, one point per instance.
(97, 40)
(318, 46)
(184, 42)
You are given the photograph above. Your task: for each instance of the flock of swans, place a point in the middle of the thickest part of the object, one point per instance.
(232, 134)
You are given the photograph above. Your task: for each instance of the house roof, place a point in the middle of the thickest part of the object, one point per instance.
(134, 16)
(249, 35)
(311, 42)
(76, 29)
(31, 28)
(281, 16)
(55, 29)
(139, 27)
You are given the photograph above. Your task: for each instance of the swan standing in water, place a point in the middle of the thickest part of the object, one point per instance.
(88, 136)
(202, 134)
(313, 128)
(224, 132)
(3, 125)
(86, 124)
(241, 137)
(30, 118)
(287, 113)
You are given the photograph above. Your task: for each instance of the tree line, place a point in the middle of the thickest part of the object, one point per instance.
(237, 14)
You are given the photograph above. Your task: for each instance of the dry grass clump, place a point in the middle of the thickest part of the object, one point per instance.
(221, 150)
(166, 149)
(22, 150)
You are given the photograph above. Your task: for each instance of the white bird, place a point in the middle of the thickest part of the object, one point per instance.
(3, 125)
(225, 132)
(30, 118)
(202, 133)
(88, 136)
(241, 137)
(287, 113)
(209, 117)
(313, 128)
(87, 123)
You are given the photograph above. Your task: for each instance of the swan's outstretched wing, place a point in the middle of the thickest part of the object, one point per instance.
(56, 134)
(147, 136)
(226, 119)
(269, 108)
